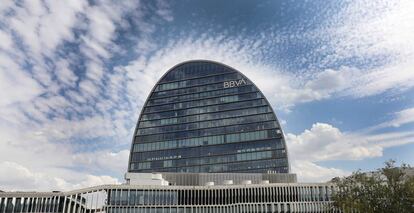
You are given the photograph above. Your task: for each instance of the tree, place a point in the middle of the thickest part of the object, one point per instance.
(389, 189)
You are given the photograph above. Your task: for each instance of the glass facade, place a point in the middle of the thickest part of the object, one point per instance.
(203, 116)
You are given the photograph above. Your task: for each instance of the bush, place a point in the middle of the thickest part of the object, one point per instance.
(389, 189)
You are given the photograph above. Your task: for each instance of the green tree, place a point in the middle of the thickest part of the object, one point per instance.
(389, 189)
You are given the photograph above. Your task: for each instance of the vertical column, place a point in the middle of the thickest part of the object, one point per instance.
(36, 204)
(57, 204)
(277, 195)
(255, 194)
(40, 204)
(43, 204)
(236, 194)
(289, 193)
(31, 204)
(12, 203)
(229, 196)
(280, 193)
(80, 203)
(23, 209)
(49, 202)
(73, 203)
(2, 204)
(98, 192)
(64, 204)
(201, 196)
(52, 204)
(310, 193)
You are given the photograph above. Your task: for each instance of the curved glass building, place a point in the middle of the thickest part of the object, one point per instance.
(206, 117)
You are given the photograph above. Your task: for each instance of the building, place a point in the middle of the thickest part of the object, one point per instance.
(207, 140)
(207, 117)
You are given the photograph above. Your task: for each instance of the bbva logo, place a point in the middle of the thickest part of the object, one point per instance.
(235, 83)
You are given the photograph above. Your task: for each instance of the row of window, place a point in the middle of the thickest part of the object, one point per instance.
(283, 169)
(209, 140)
(207, 124)
(194, 96)
(267, 170)
(203, 102)
(212, 160)
(31, 204)
(271, 164)
(198, 160)
(214, 196)
(204, 109)
(256, 155)
(220, 159)
(198, 81)
(168, 163)
(193, 70)
(139, 197)
(240, 208)
(255, 149)
(187, 90)
(144, 165)
(200, 151)
(207, 132)
(205, 117)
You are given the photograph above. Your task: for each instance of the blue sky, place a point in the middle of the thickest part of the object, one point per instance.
(74, 76)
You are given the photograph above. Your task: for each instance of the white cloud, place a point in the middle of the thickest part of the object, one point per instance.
(104, 160)
(405, 116)
(6, 41)
(64, 74)
(15, 84)
(380, 32)
(307, 171)
(330, 81)
(400, 118)
(43, 25)
(102, 26)
(29, 161)
(324, 142)
(21, 178)
(392, 77)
